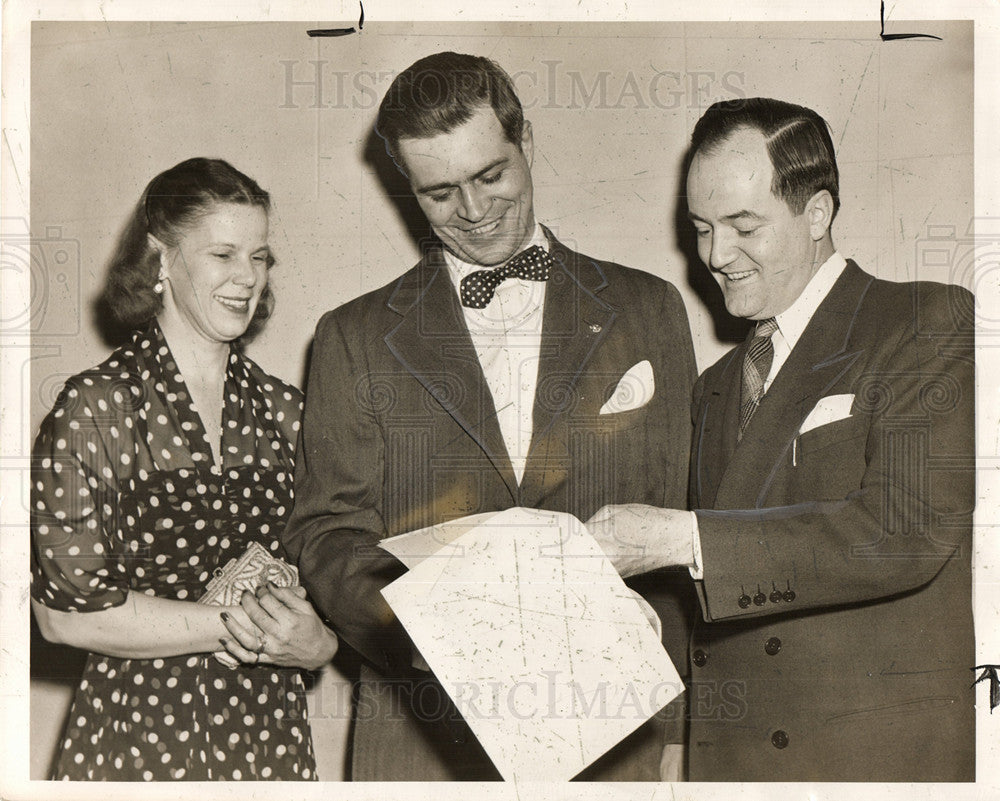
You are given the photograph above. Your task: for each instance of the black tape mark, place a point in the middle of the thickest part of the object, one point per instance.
(888, 37)
(340, 31)
(990, 672)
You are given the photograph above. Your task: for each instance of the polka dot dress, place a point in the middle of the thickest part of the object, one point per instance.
(126, 498)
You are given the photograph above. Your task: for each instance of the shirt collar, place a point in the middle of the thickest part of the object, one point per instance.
(793, 320)
(458, 268)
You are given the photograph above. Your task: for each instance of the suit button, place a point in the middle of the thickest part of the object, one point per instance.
(789, 595)
(772, 646)
(744, 601)
(779, 739)
(699, 658)
(760, 599)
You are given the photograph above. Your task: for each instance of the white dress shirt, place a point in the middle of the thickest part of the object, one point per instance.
(793, 320)
(791, 323)
(507, 335)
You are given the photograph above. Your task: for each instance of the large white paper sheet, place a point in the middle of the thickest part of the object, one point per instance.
(537, 640)
(413, 547)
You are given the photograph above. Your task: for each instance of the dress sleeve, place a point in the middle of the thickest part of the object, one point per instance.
(74, 503)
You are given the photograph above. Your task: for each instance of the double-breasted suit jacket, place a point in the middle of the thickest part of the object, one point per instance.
(836, 640)
(400, 433)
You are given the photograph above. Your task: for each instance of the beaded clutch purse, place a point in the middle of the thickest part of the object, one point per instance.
(247, 572)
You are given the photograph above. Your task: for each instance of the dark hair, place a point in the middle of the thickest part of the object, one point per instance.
(798, 144)
(173, 200)
(440, 92)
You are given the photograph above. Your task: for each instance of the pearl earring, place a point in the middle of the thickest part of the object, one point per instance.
(158, 286)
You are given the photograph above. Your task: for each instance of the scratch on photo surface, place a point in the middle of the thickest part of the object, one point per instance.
(576, 212)
(455, 553)
(551, 165)
(517, 583)
(12, 161)
(854, 100)
(121, 68)
(387, 239)
(100, 10)
(482, 422)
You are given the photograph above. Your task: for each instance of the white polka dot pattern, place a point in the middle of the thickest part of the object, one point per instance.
(476, 289)
(125, 497)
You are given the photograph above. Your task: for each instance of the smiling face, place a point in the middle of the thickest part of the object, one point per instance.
(216, 272)
(474, 185)
(760, 253)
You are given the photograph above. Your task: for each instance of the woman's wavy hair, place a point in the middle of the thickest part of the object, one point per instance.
(173, 200)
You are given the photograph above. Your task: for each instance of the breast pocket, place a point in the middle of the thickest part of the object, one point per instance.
(620, 421)
(838, 434)
(828, 462)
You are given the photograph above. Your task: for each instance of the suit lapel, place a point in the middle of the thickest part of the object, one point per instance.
(433, 344)
(574, 324)
(819, 360)
(716, 429)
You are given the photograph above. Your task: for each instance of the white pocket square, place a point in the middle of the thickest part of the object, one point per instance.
(634, 390)
(827, 410)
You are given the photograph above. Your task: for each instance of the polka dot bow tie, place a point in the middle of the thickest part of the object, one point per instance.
(477, 288)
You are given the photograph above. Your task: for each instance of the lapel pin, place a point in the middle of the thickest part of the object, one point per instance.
(595, 327)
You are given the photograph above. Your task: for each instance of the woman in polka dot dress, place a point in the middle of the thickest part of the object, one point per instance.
(152, 470)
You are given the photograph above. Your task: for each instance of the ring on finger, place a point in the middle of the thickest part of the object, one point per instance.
(260, 644)
(263, 644)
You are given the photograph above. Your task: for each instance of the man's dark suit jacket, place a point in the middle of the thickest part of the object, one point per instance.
(837, 638)
(400, 433)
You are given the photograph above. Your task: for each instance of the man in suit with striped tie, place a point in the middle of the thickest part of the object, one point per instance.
(833, 483)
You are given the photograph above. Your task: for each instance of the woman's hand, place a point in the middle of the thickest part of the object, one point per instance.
(291, 633)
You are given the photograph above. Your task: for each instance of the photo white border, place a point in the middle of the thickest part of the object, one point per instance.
(14, 185)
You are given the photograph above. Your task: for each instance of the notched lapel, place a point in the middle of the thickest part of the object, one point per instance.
(433, 344)
(820, 359)
(574, 324)
(716, 430)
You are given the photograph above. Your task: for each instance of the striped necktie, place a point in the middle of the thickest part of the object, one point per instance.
(756, 366)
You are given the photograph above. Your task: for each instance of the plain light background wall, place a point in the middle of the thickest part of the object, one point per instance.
(612, 107)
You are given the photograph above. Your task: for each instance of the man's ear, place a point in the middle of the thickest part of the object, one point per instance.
(819, 209)
(527, 143)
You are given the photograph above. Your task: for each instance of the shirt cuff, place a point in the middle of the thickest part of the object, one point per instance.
(698, 569)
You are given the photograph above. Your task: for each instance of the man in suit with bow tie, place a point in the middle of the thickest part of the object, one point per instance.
(833, 481)
(504, 369)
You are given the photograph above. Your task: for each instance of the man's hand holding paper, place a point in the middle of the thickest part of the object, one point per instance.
(638, 538)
